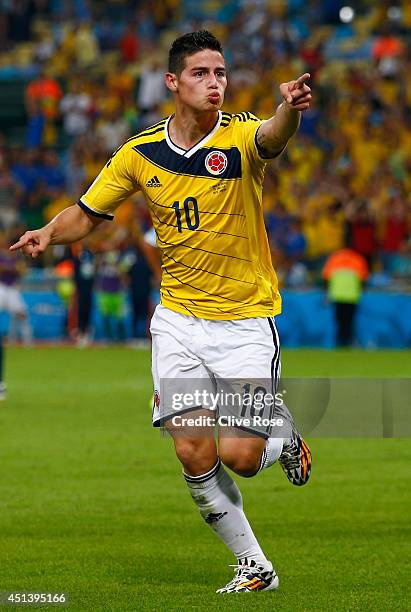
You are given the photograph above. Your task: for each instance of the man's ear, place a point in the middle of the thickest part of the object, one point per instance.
(171, 81)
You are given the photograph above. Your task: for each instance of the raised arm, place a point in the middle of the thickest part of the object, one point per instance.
(70, 225)
(273, 134)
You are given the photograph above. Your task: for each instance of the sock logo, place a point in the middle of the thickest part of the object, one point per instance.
(213, 517)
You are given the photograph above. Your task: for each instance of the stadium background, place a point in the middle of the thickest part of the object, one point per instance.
(78, 78)
(87, 489)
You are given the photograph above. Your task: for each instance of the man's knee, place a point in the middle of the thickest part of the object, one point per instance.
(244, 462)
(187, 449)
(197, 455)
(242, 454)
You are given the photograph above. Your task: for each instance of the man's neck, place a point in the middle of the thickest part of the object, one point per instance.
(187, 128)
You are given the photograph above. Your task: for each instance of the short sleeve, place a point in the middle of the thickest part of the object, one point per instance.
(247, 125)
(254, 152)
(115, 183)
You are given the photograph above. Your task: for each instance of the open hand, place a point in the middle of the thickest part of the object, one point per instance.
(297, 94)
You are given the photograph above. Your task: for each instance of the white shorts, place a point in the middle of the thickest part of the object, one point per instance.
(11, 300)
(190, 353)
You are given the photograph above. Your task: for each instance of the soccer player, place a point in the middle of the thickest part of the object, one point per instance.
(201, 171)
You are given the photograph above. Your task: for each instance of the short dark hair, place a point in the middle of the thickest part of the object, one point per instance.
(188, 45)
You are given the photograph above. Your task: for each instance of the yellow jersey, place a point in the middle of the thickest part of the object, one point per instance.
(206, 208)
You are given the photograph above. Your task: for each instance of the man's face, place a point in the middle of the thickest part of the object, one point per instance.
(202, 83)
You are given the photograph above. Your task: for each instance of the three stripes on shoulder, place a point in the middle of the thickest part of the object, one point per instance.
(242, 117)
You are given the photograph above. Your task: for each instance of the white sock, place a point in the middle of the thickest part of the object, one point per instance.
(271, 453)
(220, 503)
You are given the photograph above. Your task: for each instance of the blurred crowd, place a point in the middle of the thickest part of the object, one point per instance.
(92, 75)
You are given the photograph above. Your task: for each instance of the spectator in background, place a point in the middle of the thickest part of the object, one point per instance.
(32, 213)
(59, 200)
(386, 51)
(110, 294)
(152, 90)
(36, 123)
(362, 231)
(135, 266)
(50, 171)
(295, 243)
(45, 44)
(4, 148)
(120, 82)
(19, 19)
(75, 108)
(75, 171)
(345, 271)
(310, 123)
(146, 29)
(277, 223)
(11, 299)
(396, 231)
(330, 229)
(129, 44)
(24, 169)
(94, 156)
(295, 246)
(64, 271)
(10, 194)
(112, 129)
(44, 94)
(84, 261)
(164, 12)
(87, 51)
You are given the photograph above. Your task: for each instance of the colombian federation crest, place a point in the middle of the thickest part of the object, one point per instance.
(216, 162)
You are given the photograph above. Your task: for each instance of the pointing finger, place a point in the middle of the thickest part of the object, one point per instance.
(20, 243)
(301, 80)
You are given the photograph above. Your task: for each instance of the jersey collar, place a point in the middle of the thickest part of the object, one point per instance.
(196, 147)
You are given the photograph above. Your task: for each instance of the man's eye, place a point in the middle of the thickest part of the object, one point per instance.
(200, 73)
(221, 74)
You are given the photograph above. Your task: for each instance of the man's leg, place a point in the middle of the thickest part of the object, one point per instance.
(349, 323)
(215, 493)
(176, 341)
(246, 361)
(248, 455)
(341, 323)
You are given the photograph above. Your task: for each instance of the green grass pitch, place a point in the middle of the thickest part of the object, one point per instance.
(92, 501)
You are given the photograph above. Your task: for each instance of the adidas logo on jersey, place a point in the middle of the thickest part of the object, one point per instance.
(154, 182)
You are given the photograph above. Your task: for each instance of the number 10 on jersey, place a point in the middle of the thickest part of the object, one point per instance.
(190, 210)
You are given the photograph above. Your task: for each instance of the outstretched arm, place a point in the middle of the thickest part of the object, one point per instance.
(273, 134)
(70, 225)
